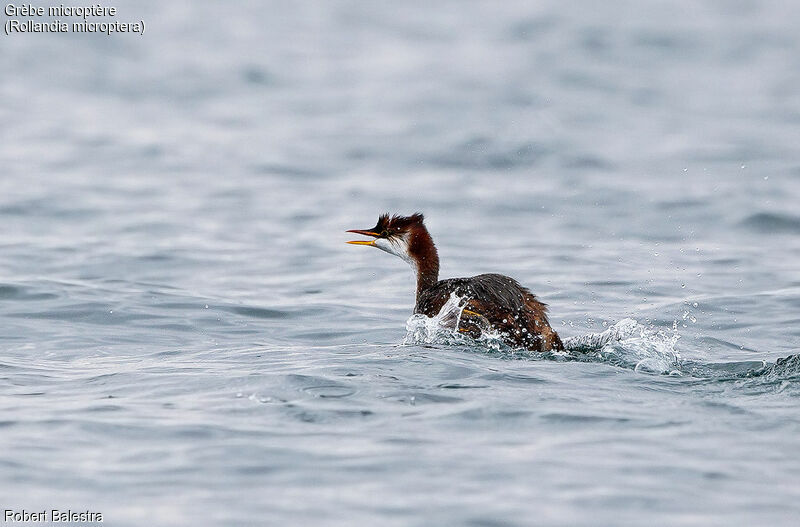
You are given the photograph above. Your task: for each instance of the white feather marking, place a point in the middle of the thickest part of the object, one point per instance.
(398, 246)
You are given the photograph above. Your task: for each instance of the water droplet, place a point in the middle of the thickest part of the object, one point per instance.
(766, 178)
(683, 286)
(206, 306)
(694, 304)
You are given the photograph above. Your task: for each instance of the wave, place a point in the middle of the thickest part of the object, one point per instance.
(626, 344)
(771, 223)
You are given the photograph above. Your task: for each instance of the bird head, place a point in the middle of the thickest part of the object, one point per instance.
(394, 234)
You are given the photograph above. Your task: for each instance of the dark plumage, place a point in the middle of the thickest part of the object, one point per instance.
(491, 301)
(498, 302)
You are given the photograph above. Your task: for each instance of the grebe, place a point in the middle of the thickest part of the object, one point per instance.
(490, 301)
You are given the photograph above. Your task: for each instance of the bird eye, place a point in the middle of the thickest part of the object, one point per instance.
(384, 234)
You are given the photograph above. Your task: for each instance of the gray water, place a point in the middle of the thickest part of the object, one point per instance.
(187, 340)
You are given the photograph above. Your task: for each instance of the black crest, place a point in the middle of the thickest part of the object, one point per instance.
(390, 225)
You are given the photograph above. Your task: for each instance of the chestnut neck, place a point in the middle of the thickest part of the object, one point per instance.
(423, 251)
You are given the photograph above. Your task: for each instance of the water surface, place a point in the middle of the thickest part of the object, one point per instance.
(187, 340)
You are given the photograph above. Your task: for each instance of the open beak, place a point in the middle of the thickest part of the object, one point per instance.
(365, 233)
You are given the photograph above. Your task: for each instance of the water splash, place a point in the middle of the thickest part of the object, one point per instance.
(443, 328)
(629, 344)
(626, 344)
